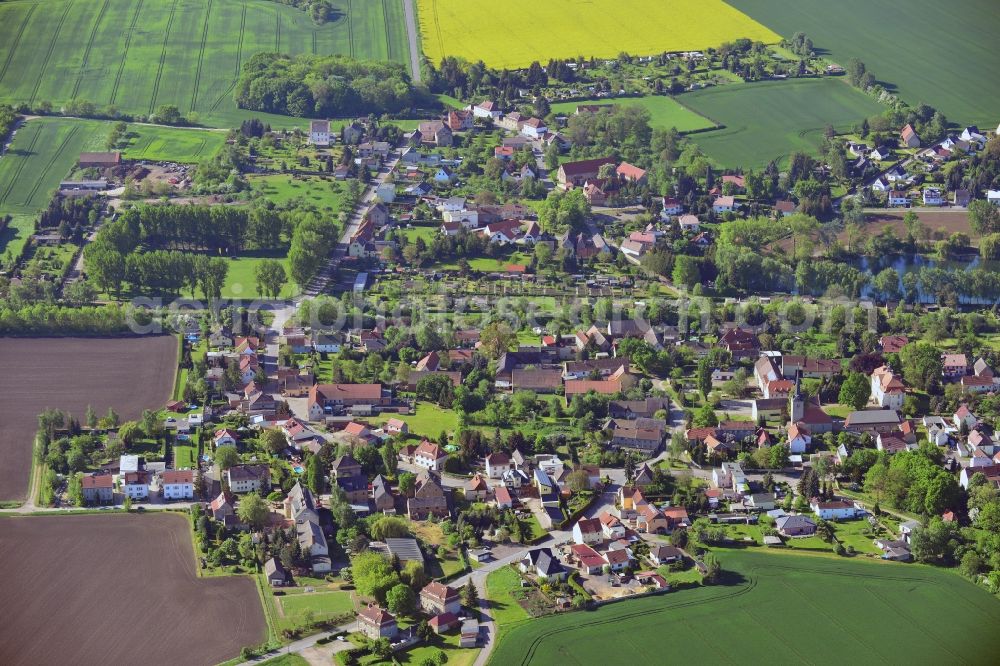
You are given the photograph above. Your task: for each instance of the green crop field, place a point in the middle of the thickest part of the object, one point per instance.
(940, 53)
(778, 609)
(768, 121)
(42, 154)
(168, 144)
(665, 112)
(140, 54)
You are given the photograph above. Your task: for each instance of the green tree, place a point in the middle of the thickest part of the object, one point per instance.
(470, 596)
(273, 441)
(270, 276)
(855, 391)
(373, 575)
(705, 417)
(314, 475)
(75, 489)
(401, 600)
(686, 271)
(704, 377)
(406, 483)
(226, 456)
(921, 364)
(253, 511)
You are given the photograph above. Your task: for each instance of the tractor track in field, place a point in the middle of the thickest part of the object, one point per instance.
(163, 58)
(239, 60)
(17, 40)
(315, 51)
(277, 31)
(20, 167)
(52, 160)
(201, 56)
(90, 45)
(48, 53)
(128, 43)
(385, 25)
(350, 28)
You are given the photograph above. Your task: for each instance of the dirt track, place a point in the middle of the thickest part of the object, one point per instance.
(127, 374)
(117, 589)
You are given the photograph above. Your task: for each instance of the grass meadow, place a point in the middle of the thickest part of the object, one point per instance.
(140, 54)
(776, 608)
(942, 54)
(41, 155)
(769, 121)
(326, 195)
(241, 281)
(168, 144)
(525, 30)
(665, 112)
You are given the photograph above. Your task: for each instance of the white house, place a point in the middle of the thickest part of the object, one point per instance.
(467, 218)
(533, 128)
(429, 456)
(177, 484)
(588, 531)
(497, 464)
(444, 175)
(135, 484)
(835, 510)
(319, 132)
(993, 197)
(611, 526)
(671, 207)
(249, 478)
(724, 204)
(898, 199)
(933, 196)
(486, 109)
(798, 438)
(887, 389)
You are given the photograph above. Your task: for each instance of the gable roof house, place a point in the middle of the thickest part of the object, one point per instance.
(428, 499)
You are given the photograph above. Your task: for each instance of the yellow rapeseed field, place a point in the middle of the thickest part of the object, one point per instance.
(513, 33)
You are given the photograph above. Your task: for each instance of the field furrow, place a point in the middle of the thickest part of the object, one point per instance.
(128, 41)
(89, 47)
(163, 57)
(48, 53)
(201, 58)
(46, 170)
(16, 42)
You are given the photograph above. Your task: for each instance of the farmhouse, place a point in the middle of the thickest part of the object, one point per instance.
(437, 598)
(100, 160)
(376, 623)
(575, 174)
(323, 398)
(249, 478)
(98, 488)
(319, 132)
(177, 484)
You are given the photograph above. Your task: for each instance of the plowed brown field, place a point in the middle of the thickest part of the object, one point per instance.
(117, 589)
(126, 374)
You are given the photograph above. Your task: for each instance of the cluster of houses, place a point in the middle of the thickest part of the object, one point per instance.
(134, 478)
(902, 186)
(440, 602)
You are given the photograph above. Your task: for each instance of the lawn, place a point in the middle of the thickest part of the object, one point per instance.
(326, 195)
(768, 611)
(448, 644)
(286, 660)
(169, 144)
(42, 154)
(664, 111)
(769, 121)
(15, 235)
(185, 457)
(428, 421)
(905, 49)
(566, 29)
(242, 283)
(504, 609)
(141, 54)
(324, 605)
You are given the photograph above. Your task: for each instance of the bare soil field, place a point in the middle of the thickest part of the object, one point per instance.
(118, 589)
(126, 374)
(952, 221)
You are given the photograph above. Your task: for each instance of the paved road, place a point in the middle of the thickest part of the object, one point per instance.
(412, 39)
(306, 643)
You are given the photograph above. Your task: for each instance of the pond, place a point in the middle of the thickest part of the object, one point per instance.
(904, 264)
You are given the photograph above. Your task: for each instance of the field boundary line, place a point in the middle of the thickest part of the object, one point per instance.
(315, 51)
(716, 123)
(90, 45)
(48, 53)
(52, 160)
(163, 58)
(201, 56)
(277, 31)
(17, 40)
(128, 43)
(20, 167)
(239, 60)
